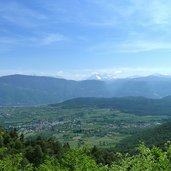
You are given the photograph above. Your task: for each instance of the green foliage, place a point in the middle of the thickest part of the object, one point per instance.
(104, 156)
(147, 159)
(77, 159)
(74, 160)
(34, 154)
(14, 163)
(33, 151)
(50, 165)
(18, 154)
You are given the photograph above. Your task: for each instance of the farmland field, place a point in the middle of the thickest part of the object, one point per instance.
(90, 126)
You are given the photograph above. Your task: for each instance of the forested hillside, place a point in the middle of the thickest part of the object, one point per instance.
(134, 105)
(49, 155)
(156, 136)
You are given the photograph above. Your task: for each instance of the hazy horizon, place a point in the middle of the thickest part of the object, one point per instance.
(93, 76)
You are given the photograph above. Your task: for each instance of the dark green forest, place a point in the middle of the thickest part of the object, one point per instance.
(18, 153)
(134, 105)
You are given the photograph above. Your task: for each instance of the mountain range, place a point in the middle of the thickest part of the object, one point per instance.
(18, 90)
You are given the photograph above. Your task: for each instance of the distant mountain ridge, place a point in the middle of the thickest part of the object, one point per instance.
(35, 90)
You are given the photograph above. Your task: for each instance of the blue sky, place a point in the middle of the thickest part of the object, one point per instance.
(77, 38)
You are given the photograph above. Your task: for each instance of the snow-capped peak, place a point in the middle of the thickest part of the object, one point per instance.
(99, 76)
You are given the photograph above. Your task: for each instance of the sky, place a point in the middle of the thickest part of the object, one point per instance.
(77, 38)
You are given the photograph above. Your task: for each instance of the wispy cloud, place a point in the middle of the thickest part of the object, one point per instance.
(143, 46)
(16, 13)
(137, 12)
(104, 27)
(81, 13)
(7, 43)
(145, 24)
(9, 40)
(119, 72)
(159, 12)
(87, 73)
(89, 12)
(132, 46)
(44, 39)
(51, 39)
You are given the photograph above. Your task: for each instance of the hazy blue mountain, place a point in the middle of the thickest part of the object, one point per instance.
(35, 90)
(154, 86)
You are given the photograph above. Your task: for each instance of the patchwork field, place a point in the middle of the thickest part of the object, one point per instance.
(90, 126)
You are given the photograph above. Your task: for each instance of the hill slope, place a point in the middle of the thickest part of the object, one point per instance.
(157, 136)
(134, 105)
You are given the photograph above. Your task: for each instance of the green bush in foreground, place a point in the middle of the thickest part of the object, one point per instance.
(147, 159)
(14, 163)
(74, 160)
(153, 159)
(16, 154)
